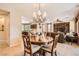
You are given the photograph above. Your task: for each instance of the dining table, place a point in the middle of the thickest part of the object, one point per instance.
(39, 40)
(42, 41)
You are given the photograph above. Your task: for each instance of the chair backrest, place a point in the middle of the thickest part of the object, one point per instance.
(48, 34)
(53, 34)
(27, 43)
(61, 38)
(25, 33)
(55, 42)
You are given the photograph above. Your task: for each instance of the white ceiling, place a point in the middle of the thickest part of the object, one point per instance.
(52, 9)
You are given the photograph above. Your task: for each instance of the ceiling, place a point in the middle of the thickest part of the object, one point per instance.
(52, 9)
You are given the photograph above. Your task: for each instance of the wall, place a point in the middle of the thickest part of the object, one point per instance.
(14, 37)
(78, 26)
(15, 27)
(72, 26)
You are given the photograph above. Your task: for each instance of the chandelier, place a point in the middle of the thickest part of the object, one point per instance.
(39, 17)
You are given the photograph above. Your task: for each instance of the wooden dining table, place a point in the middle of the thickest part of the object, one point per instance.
(40, 41)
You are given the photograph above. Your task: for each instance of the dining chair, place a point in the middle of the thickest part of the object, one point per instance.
(28, 47)
(51, 48)
(61, 37)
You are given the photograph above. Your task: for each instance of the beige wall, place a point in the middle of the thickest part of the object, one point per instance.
(72, 26)
(14, 26)
(78, 26)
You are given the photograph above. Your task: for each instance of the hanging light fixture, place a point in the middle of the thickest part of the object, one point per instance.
(38, 16)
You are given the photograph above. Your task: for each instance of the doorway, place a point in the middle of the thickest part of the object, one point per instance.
(4, 28)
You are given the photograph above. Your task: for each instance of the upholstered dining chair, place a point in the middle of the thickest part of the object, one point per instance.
(28, 47)
(51, 48)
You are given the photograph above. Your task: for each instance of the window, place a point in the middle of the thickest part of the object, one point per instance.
(25, 27)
